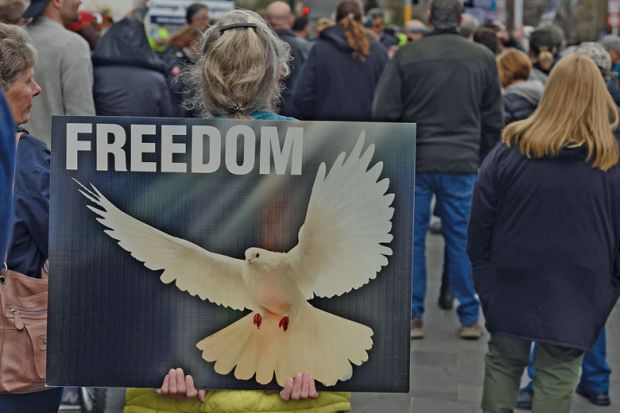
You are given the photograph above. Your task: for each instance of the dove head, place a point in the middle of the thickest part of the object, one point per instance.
(259, 256)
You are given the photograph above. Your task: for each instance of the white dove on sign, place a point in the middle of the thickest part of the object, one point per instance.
(340, 249)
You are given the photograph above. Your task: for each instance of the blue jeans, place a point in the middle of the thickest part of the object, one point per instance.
(453, 193)
(594, 370)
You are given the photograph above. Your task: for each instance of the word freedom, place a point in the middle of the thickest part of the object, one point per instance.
(110, 141)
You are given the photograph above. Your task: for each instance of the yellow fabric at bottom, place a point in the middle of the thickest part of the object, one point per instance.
(234, 401)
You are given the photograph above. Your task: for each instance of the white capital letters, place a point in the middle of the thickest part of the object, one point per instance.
(249, 149)
(270, 144)
(199, 133)
(138, 148)
(169, 148)
(105, 148)
(74, 145)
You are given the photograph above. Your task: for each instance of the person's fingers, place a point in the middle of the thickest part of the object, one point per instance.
(172, 382)
(190, 388)
(165, 387)
(180, 382)
(313, 394)
(297, 381)
(285, 394)
(201, 395)
(305, 386)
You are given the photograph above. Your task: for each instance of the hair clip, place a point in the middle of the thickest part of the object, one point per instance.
(237, 26)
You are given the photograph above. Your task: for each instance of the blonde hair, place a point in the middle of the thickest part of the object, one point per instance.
(16, 53)
(239, 70)
(576, 108)
(513, 65)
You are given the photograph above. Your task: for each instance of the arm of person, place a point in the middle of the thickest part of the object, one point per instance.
(492, 119)
(304, 92)
(77, 80)
(388, 102)
(177, 384)
(483, 212)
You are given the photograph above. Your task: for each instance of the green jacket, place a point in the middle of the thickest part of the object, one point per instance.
(234, 401)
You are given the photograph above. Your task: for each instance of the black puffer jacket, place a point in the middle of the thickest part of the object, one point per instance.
(129, 78)
(521, 100)
(335, 86)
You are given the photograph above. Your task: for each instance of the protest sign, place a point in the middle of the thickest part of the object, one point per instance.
(241, 251)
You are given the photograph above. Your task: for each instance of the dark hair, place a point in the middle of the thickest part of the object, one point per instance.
(192, 9)
(542, 48)
(300, 23)
(445, 14)
(487, 37)
(349, 16)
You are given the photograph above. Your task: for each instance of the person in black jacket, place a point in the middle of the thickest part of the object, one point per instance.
(544, 238)
(521, 96)
(130, 80)
(450, 88)
(280, 19)
(339, 79)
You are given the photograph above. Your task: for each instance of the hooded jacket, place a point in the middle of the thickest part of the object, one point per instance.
(521, 100)
(335, 86)
(300, 49)
(129, 77)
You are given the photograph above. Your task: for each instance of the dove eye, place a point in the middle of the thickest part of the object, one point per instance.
(257, 255)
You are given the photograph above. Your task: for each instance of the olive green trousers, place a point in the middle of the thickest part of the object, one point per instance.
(557, 372)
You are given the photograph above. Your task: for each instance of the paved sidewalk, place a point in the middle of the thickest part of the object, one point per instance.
(447, 372)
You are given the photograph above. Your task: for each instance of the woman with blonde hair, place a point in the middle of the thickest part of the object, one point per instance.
(339, 78)
(520, 95)
(238, 74)
(544, 238)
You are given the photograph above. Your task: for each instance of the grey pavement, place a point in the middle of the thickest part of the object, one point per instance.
(447, 372)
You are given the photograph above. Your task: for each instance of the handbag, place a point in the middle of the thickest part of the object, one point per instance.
(23, 332)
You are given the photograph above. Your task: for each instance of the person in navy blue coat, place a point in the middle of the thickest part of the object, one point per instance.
(544, 238)
(339, 78)
(7, 170)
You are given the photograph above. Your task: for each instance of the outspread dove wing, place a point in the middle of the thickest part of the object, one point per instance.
(211, 276)
(348, 219)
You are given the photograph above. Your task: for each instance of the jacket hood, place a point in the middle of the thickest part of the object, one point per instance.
(126, 43)
(530, 90)
(335, 35)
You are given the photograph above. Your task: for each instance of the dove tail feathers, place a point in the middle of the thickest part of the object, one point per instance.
(316, 342)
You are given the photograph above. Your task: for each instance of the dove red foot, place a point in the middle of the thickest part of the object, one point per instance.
(258, 319)
(283, 323)
(340, 248)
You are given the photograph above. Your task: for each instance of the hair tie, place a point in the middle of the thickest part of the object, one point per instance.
(237, 26)
(236, 109)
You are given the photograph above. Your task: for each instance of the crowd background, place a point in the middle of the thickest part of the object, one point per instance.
(460, 79)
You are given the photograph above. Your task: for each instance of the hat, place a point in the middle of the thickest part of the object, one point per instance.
(36, 8)
(611, 42)
(598, 54)
(86, 18)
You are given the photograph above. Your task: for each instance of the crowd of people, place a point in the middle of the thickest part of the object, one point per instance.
(516, 154)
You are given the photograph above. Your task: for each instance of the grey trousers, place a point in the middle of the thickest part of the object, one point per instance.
(557, 372)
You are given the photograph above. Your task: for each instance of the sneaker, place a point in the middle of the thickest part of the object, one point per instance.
(416, 328)
(525, 398)
(471, 331)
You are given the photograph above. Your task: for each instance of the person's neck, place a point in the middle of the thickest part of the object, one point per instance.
(54, 15)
